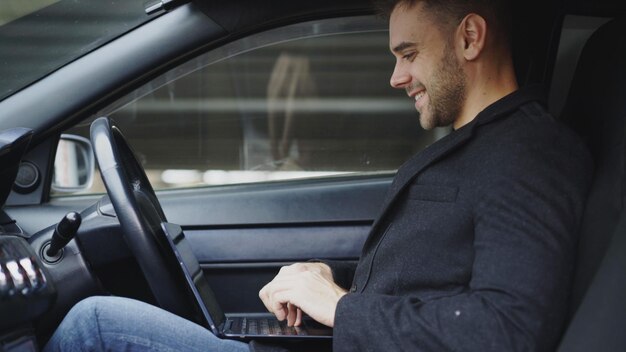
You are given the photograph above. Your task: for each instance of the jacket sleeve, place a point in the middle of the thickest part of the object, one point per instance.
(525, 230)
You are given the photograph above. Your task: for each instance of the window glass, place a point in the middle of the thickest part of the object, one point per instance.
(308, 100)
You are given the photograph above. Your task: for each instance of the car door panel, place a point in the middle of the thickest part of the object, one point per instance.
(243, 235)
(239, 261)
(276, 244)
(309, 201)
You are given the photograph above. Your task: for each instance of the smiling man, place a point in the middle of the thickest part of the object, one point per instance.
(453, 61)
(427, 67)
(474, 246)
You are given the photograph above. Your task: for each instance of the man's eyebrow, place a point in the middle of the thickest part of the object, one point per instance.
(402, 46)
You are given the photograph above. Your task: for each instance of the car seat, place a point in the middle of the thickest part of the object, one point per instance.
(596, 109)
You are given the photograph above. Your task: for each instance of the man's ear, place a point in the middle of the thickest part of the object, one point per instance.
(472, 32)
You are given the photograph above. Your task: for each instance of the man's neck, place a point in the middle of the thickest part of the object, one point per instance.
(490, 85)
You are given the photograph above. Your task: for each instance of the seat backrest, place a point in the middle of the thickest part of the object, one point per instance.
(599, 321)
(596, 109)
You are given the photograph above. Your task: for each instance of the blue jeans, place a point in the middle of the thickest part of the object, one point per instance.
(122, 324)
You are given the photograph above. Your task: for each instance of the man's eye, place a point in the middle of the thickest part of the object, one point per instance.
(408, 56)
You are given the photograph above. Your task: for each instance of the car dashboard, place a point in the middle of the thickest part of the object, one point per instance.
(27, 290)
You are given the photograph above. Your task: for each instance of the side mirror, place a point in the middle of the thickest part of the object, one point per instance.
(74, 164)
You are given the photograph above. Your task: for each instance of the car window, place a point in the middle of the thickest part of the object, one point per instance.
(307, 100)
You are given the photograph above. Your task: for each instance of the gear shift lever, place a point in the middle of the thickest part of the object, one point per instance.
(64, 232)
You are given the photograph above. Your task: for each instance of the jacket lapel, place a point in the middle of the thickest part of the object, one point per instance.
(443, 147)
(412, 168)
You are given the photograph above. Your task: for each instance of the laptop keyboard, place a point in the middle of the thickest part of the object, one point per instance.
(264, 326)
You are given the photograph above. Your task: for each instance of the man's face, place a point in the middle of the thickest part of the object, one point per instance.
(426, 65)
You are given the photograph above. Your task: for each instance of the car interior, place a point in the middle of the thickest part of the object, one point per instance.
(110, 242)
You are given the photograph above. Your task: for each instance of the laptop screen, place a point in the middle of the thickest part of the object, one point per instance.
(194, 276)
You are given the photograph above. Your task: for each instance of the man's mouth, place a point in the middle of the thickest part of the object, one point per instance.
(420, 95)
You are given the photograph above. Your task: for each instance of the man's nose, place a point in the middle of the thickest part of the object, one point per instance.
(399, 78)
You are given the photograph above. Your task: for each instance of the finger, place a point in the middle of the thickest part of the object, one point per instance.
(291, 314)
(268, 297)
(278, 306)
(280, 301)
(281, 312)
(265, 298)
(298, 317)
(266, 293)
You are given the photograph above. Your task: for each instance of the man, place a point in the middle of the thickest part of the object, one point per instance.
(474, 246)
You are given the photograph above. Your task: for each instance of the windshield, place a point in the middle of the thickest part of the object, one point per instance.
(38, 37)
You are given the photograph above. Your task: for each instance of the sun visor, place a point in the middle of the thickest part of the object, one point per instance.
(13, 144)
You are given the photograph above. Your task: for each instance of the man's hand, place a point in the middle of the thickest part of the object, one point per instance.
(303, 286)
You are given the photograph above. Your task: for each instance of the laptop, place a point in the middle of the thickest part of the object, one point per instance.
(243, 326)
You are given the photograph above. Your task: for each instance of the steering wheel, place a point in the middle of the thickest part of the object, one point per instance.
(141, 216)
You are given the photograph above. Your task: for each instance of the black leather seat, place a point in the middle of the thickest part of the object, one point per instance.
(596, 109)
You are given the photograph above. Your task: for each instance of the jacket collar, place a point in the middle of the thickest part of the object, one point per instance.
(507, 104)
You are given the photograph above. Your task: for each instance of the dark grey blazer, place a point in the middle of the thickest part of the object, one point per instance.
(475, 243)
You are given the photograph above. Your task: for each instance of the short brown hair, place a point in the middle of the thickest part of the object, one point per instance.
(449, 13)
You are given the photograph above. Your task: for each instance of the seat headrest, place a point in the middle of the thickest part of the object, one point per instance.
(596, 104)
